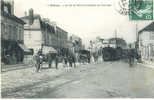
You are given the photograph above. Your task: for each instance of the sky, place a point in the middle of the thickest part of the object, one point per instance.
(87, 22)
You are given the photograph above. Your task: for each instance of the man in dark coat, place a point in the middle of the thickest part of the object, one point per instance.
(65, 60)
(56, 60)
(39, 60)
(49, 59)
(52, 57)
(74, 60)
(131, 57)
(70, 60)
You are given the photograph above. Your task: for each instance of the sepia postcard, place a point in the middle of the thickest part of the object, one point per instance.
(77, 49)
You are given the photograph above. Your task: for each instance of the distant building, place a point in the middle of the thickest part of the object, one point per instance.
(12, 34)
(105, 43)
(117, 42)
(146, 42)
(39, 32)
(112, 42)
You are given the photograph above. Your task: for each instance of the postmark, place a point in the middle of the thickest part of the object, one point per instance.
(122, 6)
(141, 9)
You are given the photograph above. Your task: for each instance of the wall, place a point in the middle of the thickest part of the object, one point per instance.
(11, 30)
(62, 37)
(146, 45)
(33, 39)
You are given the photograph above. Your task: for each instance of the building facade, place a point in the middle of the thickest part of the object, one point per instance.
(39, 32)
(12, 35)
(146, 42)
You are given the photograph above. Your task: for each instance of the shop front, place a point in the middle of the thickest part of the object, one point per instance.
(13, 52)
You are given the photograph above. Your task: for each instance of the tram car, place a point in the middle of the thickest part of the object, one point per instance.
(111, 54)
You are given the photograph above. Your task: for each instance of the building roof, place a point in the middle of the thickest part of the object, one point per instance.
(43, 25)
(13, 17)
(49, 27)
(60, 29)
(150, 27)
(36, 16)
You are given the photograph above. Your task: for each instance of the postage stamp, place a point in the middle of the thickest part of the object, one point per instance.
(141, 9)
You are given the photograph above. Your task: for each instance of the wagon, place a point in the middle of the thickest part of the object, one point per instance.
(46, 50)
(111, 54)
(84, 56)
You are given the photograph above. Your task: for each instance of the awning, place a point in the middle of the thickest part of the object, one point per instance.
(47, 49)
(24, 48)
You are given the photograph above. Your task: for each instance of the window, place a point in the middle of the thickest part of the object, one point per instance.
(151, 35)
(19, 37)
(10, 32)
(6, 31)
(152, 50)
(3, 28)
(15, 35)
(6, 9)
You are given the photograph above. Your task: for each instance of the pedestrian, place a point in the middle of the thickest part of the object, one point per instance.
(131, 56)
(65, 60)
(56, 60)
(138, 57)
(49, 59)
(89, 57)
(39, 60)
(70, 60)
(74, 60)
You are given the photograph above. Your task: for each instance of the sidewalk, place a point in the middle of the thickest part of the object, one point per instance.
(5, 68)
(147, 64)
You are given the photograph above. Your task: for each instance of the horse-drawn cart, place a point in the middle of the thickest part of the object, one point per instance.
(84, 56)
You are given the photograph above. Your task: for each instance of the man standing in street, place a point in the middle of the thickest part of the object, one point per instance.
(65, 60)
(56, 60)
(131, 56)
(39, 60)
(52, 57)
(49, 59)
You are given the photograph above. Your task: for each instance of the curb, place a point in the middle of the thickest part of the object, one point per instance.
(5, 68)
(147, 65)
(15, 65)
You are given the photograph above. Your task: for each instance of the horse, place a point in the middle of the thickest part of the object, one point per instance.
(71, 59)
(95, 55)
(52, 57)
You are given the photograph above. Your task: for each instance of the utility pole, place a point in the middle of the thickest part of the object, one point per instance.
(116, 38)
(137, 39)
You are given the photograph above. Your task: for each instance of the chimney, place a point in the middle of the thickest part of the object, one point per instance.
(12, 7)
(31, 16)
(25, 13)
(54, 24)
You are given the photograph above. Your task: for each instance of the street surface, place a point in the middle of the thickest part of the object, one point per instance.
(103, 80)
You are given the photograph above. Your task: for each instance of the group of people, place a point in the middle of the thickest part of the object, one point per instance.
(69, 60)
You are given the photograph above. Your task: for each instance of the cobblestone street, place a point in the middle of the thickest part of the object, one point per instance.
(104, 80)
